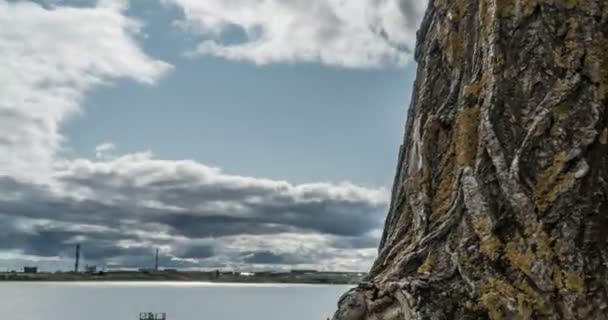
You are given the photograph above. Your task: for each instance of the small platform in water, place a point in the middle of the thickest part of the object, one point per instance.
(152, 316)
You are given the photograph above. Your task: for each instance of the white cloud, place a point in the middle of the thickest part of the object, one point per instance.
(105, 151)
(196, 197)
(50, 59)
(360, 33)
(397, 19)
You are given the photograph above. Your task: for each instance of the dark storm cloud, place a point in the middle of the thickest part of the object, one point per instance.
(338, 217)
(274, 215)
(42, 242)
(50, 240)
(197, 252)
(46, 243)
(343, 219)
(207, 202)
(97, 248)
(199, 226)
(270, 258)
(104, 251)
(123, 204)
(22, 199)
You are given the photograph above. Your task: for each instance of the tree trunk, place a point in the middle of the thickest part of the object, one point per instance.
(500, 202)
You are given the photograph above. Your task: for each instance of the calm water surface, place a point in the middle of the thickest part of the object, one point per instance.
(181, 301)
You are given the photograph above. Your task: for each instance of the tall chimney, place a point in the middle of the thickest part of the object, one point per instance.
(77, 258)
(156, 261)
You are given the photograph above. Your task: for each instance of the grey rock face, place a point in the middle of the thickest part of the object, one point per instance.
(500, 200)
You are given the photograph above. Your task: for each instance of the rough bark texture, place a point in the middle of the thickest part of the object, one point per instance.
(500, 201)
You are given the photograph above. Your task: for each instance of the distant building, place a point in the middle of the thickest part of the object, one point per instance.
(90, 269)
(30, 269)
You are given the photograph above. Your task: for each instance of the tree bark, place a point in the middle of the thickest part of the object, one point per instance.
(500, 202)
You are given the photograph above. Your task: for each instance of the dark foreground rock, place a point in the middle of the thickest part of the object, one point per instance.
(500, 201)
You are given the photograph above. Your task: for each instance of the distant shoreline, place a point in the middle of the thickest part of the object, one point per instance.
(206, 284)
(327, 278)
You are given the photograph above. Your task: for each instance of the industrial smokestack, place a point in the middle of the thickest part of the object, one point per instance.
(77, 258)
(156, 261)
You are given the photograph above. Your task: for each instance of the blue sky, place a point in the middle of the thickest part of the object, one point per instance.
(302, 122)
(232, 135)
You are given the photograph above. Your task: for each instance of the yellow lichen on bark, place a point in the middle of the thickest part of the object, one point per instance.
(550, 196)
(461, 153)
(556, 276)
(490, 245)
(505, 301)
(427, 266)
(544, 249)
(569, 280)
(536, 245)
(445, 190)
(467, 136)
(520, 258)
(474, 89)
(525, 8)
(452, 35)
(552, 181)
(573, 281)
(569, 56)
(485, 17)
(596, 62)
(604, 136)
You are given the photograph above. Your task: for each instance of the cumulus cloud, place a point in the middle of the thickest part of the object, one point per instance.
(396, 20)
(203, 200)
(105, 151)
(120, 208)
(126, 206)
(365, 33)
(50, 59)
(269, 257)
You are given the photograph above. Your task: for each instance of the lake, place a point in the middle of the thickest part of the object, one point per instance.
(181, 301)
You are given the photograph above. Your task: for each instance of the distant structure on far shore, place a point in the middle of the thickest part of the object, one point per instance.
(90, 269)
(156, 261)
(77, 258)
(30, 269)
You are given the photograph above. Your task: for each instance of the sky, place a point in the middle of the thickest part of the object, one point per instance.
(230, 134)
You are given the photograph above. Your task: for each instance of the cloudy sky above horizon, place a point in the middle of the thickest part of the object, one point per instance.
(231, 134)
